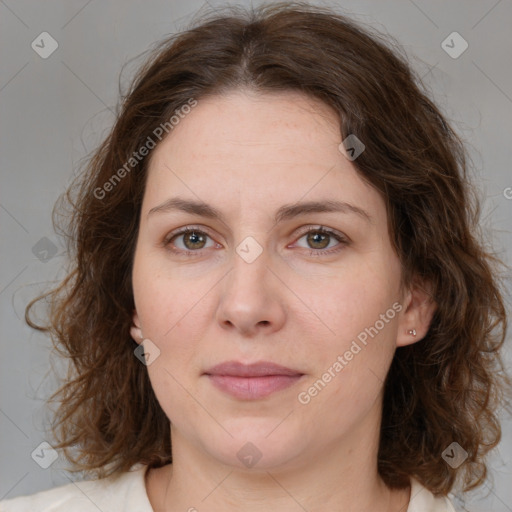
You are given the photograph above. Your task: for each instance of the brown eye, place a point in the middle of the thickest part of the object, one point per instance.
(194, 240)
(319, 240)
(187, 241)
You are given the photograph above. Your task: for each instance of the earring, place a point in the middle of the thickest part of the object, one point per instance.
(412, 331)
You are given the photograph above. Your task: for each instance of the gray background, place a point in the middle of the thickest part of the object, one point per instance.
(55, 111)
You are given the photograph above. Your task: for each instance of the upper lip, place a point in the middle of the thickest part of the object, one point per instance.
(259, 369)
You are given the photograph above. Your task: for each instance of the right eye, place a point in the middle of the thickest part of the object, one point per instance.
(193, 241)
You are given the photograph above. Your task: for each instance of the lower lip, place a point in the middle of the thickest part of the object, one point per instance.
(252, 388)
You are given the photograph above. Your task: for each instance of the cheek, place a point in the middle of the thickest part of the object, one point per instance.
(352, 300)
(171, 321)
(358, 312)
(167, 319)
(167, 300)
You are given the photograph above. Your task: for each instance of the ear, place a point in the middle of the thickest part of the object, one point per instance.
(417, 313)
(135, 329)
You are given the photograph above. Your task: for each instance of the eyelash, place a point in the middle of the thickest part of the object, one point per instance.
(192, 229)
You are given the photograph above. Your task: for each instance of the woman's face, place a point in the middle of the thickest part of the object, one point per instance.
(250, 285)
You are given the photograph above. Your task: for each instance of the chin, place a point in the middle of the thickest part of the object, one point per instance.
(255, 447)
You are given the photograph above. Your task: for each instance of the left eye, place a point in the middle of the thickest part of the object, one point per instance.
(319, 238)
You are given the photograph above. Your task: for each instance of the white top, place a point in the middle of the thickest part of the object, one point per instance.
(127, 492)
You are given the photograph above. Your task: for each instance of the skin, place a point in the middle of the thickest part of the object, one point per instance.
(247, 154)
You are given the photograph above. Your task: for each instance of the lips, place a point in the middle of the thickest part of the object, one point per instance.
(261, 369)
(253, 381)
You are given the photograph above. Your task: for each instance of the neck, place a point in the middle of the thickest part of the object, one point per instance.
(341, 476)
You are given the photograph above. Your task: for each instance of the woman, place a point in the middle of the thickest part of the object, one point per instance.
(277, 274)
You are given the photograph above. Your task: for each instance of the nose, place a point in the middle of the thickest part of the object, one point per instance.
(252, 298)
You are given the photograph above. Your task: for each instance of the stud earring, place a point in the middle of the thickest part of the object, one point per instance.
(412, 331)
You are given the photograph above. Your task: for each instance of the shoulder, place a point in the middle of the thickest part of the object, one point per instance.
(423, 500)
(125, 491)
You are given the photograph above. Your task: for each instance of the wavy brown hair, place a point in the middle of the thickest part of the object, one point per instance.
(447, 387)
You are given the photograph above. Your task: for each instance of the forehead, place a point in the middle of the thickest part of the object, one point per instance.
(256, 122)
(258, 149)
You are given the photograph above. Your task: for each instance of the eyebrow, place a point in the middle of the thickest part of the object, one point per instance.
(285, 212)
